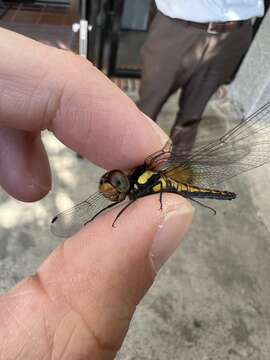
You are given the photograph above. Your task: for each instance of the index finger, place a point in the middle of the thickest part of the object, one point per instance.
(43, 87)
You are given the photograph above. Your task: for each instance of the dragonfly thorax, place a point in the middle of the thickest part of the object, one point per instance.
(114, 185)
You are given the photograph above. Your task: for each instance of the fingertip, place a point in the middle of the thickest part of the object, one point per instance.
(161, 229)
(110, 130)
(24, 166)
(84, 109)
(143, 223)
(26, 189)
(163, 138)
(105, 271)
(40, 169)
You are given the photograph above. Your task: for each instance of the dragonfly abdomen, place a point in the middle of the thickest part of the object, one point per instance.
(187, 190)
(156, 183)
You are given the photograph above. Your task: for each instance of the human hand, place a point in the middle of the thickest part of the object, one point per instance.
(79, 303)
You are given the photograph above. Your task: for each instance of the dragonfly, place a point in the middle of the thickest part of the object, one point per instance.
(194, 175)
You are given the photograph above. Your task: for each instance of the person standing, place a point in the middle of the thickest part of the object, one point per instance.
(195, 46)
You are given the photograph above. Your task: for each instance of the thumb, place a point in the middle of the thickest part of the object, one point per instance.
(80, 303)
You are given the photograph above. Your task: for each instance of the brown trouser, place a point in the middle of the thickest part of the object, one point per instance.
(177, 55)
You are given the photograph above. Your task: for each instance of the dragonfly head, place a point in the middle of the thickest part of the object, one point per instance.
(114, 185)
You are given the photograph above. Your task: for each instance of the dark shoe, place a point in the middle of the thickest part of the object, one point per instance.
(184, 136)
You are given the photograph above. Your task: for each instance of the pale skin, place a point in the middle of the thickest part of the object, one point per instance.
(79, 303)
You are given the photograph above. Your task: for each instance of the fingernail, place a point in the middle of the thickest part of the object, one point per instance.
(41, 175)
(162, 135)
(170, 233)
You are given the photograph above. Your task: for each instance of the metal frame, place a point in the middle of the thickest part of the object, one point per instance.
(114, 21)
(117, 10)
(87, 13)
(107, 31)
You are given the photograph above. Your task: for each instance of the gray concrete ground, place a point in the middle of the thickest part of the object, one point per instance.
(212, 299)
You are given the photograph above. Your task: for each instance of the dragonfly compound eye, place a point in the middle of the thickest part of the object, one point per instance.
(119, 181)
(114, 185)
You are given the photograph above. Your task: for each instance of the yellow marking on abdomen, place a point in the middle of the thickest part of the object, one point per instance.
(182, 187)
(157, 187)
(145, 177)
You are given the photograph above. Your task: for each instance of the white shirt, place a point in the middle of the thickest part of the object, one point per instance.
(211, 10)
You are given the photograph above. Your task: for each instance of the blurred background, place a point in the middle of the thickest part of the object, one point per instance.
(116, 32)
(212, 299)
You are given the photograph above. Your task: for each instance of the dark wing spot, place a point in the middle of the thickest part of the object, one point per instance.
(54, 219)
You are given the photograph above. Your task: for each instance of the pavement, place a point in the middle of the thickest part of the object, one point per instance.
(211, 301)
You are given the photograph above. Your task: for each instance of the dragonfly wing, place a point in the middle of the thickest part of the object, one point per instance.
(241, 149)
(70, 221)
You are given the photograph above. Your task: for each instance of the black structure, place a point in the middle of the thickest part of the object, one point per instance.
(124, 24)
(3, 8)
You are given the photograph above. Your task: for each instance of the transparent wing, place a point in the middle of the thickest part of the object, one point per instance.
(241, 149)
(70, 221)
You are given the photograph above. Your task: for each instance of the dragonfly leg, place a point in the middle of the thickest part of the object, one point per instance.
(160, 200)
(160, 195)
(203, 205)
(162, 189)
(121, 212)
